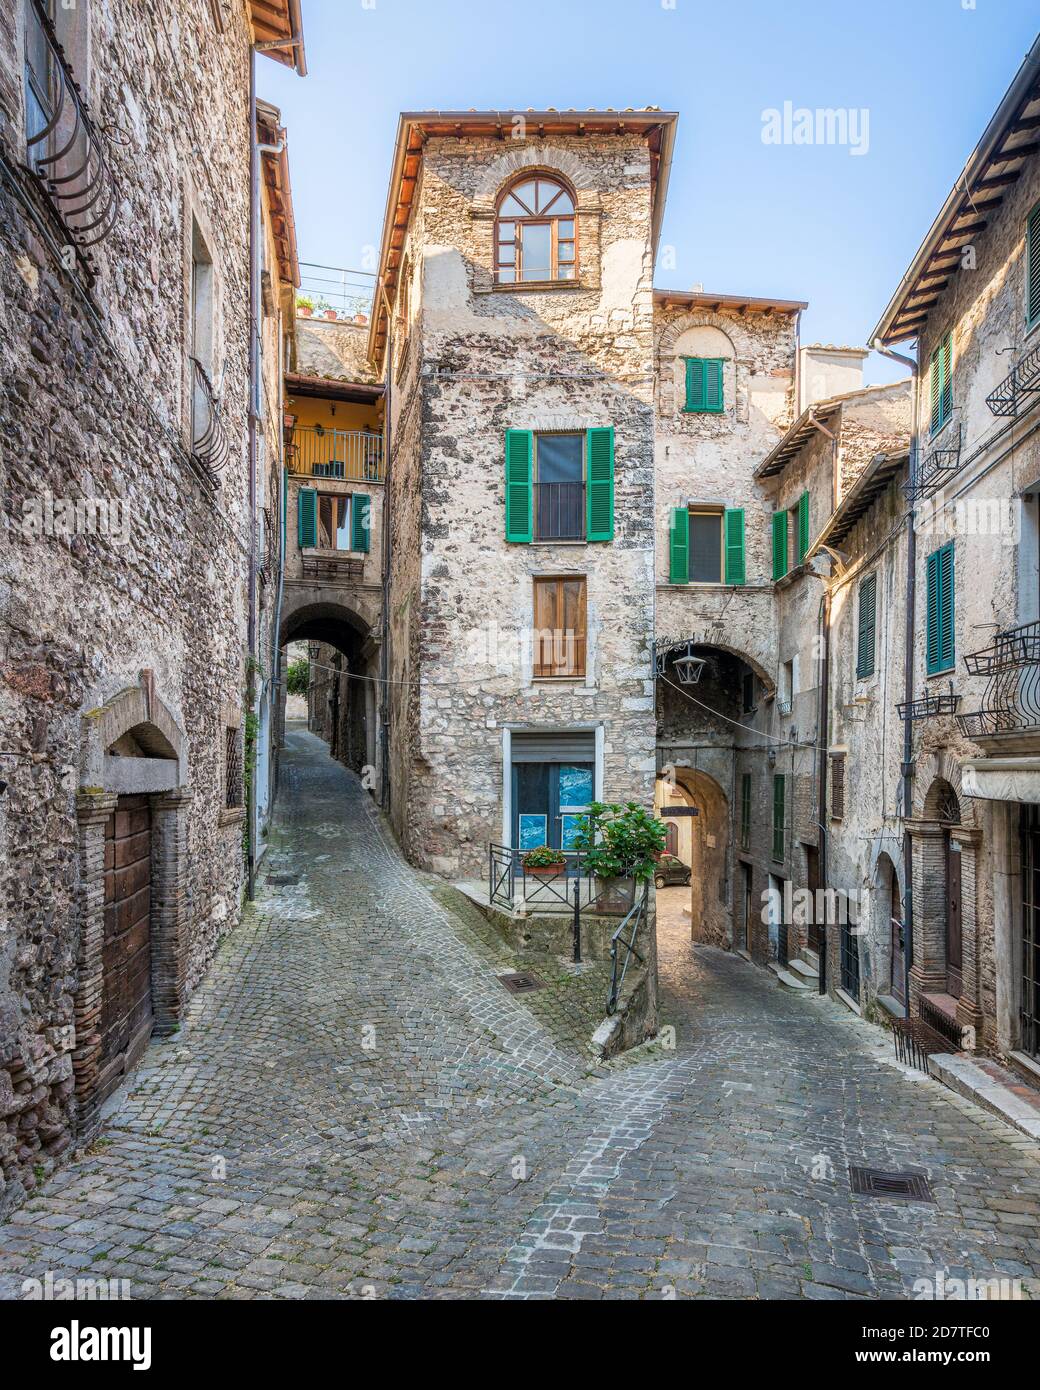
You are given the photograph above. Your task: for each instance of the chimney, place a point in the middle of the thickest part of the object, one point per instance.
(826, 370)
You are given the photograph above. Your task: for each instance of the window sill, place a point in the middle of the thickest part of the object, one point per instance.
(314, 552)
(538, 286)
(945, 671)
(571, 543)
(558, 680)
(689, 410)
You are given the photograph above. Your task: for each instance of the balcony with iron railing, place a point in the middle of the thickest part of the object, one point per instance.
(352, 456)
(67, 154)
(1019, 389)
(937, 465)
(559, 511)
(1011, 701)
(209, 441)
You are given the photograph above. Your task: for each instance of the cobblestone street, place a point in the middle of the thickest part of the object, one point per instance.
(355, 1106)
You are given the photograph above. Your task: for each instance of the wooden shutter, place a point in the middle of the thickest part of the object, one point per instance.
(307, 517)
(360, 521)
(867, 626)
(734, 539)
(679, 546)
(939, 638)
(713, 384)
(1033, 268)
(941, 384)
(694, 383)
(745, 810)
(779, 813)
(599, 488)
(519, 493)
(779, 544)
(560, 627)
(803, 526)
(838, 785)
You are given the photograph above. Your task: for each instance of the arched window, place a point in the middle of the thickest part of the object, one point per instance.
(535, 237)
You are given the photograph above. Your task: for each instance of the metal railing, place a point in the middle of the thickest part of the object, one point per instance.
(209, 441)
(349, 292)
(941, 464)
(559, 510)
(625, 938)
(1021, 383)
(1011, 699)
(353, 456)
(550, 889)
(65, 151)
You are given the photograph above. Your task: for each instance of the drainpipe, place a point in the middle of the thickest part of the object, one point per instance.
(254, 391)
(908, 674)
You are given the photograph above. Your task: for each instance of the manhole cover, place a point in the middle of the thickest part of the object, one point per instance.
(283, 879)
(903, 1187)
(521, 983)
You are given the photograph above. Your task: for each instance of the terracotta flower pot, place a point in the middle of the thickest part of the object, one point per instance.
(330, 314)
(304, 311)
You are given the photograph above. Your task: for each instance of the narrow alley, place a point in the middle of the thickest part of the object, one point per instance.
(356, 1107)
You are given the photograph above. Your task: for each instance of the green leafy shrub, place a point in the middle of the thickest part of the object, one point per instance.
(298, 676)
(544, 858)
(620, 841)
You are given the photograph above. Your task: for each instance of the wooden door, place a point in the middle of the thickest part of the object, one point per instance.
(953, 917)
(897, 983)
(671, 831)
(746, 868)
(812, 873)
(126, 1001)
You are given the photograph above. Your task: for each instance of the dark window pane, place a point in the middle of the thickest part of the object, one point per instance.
(705, 547)
(560, 458)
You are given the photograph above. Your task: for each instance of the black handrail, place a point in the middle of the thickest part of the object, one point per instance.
(632, 922)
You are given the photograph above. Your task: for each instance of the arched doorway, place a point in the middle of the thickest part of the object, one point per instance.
(710, 912)
(890, 931)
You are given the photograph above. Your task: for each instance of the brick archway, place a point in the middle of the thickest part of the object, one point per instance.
(150, 764)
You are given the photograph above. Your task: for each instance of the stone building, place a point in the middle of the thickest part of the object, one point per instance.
(126, 147)
(970, 301)
(515, 325)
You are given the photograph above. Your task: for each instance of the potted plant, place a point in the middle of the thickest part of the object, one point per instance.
(304, 305)
(544, 861)
(330, 313)
(619, 846)
(360, 318)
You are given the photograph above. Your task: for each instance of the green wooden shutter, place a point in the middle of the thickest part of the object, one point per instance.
(779, 813)
(360, 521)
(307, 517)
(519, 492)
(941, 383)
(939, 637)
(599, 489)
(734, 535)
(679, 546)
(867, 626)
(694, 383)
(713, 384)
(803, 526)
(779, 544)
(1033, 268)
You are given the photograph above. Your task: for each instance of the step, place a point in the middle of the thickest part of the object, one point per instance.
(787, 980)
(808, 974)
(990, 1085)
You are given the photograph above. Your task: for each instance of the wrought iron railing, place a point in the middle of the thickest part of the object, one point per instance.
(354, 456)
(67, 154)
(624, 939)
(1011, 699)
(1018, 388)
(209, 441)
(551, 889)
(559, 510)
(941, 1023)
(929, 706)
(938, 466)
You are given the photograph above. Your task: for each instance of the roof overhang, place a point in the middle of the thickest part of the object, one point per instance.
(739, 303)
(1011, 138)
(278, 31)
(274, 164)
(325, 388)
(861, 496)
(797, 436)
(414, 128)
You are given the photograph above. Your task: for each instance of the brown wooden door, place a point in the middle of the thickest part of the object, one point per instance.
(812, 873)
(898, 980)
(126, 1001)
(953, 917)
(671, 831)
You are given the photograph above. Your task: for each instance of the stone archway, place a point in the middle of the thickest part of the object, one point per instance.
(710, 913)
(132, 754)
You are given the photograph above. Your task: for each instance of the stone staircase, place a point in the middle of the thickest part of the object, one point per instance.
(801, 975)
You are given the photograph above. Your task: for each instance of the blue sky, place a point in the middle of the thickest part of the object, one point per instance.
(807, 221)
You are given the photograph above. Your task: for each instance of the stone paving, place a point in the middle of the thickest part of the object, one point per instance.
(356, 1107)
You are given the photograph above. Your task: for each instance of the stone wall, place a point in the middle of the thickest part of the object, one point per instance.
(95, 406)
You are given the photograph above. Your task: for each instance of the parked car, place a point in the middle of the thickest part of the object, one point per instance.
(671, 870)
